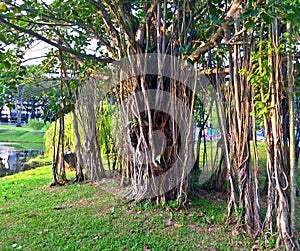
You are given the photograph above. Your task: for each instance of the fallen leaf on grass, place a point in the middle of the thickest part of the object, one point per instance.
(202, 230)
(234, 233)
(58, 207)
(194, 227)
(201, 214)
(169, 223)
(219, 194)
(146, 247)
(31, 215)
(255, 247)
(112, 211)
(178, 225)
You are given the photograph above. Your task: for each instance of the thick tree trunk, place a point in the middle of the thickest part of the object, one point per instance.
(87, 106)
(21, 91)
(78, 151)
(56, 156)
(239, 122)
(292, 152)
(62, 168)
(280, 177)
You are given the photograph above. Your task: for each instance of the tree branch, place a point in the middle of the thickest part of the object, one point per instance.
(82, 25)
(233, 13)
(140, 33)
(123, 19)
(107, 21)
(48, 41)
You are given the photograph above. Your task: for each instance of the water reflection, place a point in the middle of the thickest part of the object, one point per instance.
(13, 161)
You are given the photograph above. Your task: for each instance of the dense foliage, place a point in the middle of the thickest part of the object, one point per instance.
(51, 135)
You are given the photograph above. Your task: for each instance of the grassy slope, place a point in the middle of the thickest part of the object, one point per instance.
(29, 220)
(21, 138)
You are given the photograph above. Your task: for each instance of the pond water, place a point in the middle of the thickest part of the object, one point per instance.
(14, 161)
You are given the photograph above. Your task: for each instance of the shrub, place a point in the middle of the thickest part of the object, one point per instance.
(35, 124)
(105, 127)
(47, 125)
(68, 135)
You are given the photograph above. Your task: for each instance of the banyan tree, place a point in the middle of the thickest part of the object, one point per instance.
(162, 64)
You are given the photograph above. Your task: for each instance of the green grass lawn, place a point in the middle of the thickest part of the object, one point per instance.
(14, 127)
(21, 138)
(34, 216)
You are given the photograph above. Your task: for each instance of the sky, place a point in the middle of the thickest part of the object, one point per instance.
(34, 55)
(39, 49)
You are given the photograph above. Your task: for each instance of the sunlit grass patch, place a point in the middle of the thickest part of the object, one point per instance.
(35, 216)
(21, 136)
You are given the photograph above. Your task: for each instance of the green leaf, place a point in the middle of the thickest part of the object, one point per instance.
(249, 24)
(267, 18)
(243, 71)
(254, 13)
(3, 7)
(265, 110)
(270, 3)
(292, 18)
